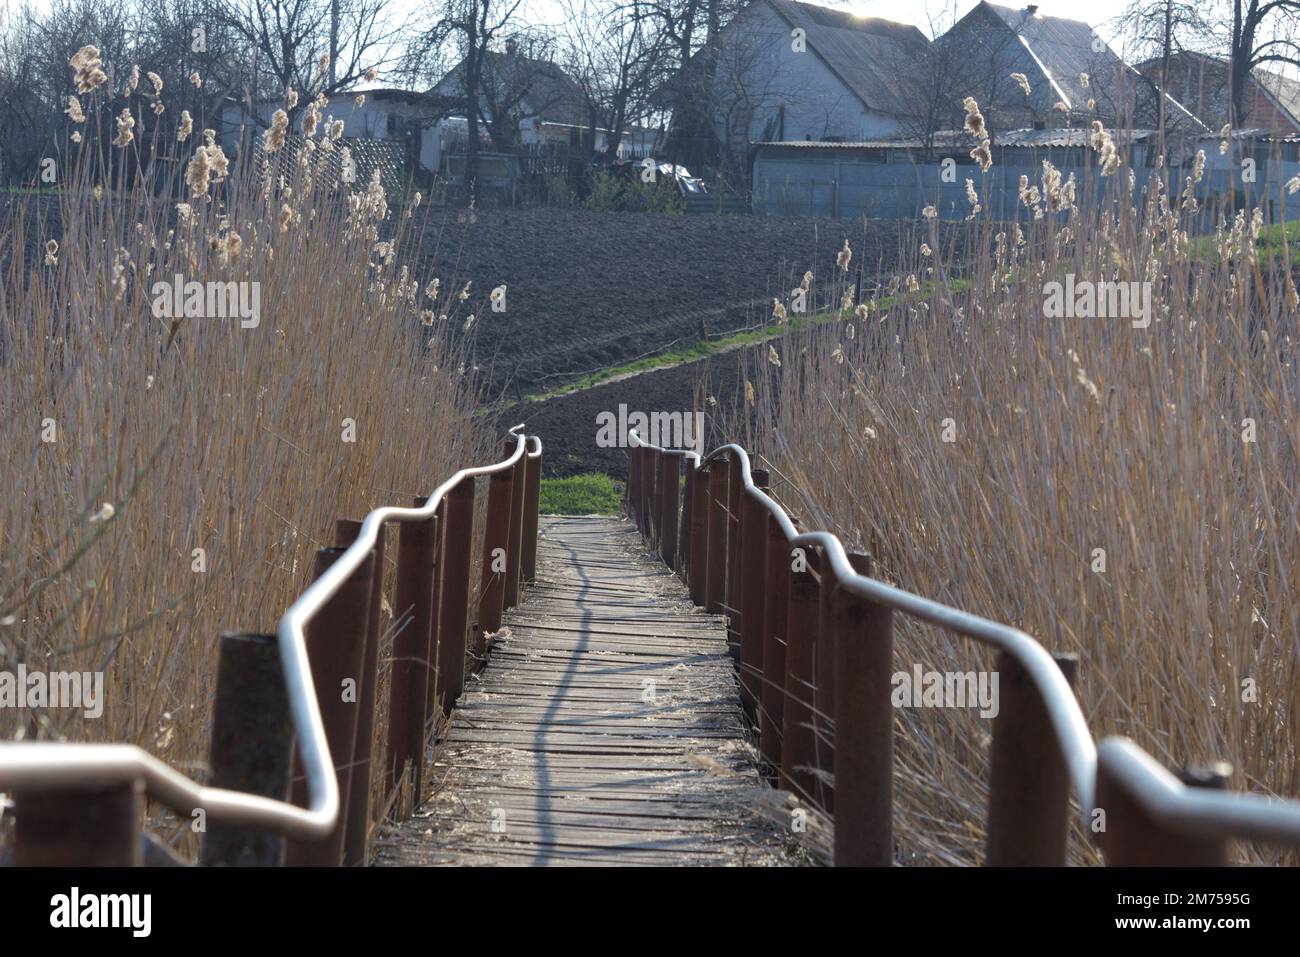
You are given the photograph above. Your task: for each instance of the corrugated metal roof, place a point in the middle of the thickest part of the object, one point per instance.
(959, 139)
(873, 57)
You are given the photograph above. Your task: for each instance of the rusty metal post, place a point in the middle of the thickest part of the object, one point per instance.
(630, 490)
(697, 563)
(346, 531)
(637, 457)
(453, 604)
(775, 604)
(412, 603)
(647, 494)
(753, 569)
(1029, 787)
(1132, 838)
(864, 733)
(669, 492)
(798, 746)
(430, 687)
(515, 550)
(731, 585)
(824, 698)
(496, 546)
(335, 645)
(251, 748)
(89, 827)
(532, 497)
(682, 562)
(715, 591)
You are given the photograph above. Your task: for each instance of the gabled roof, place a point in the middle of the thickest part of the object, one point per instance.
(1283, 91)
(868, 55)
(1063, 52)
(1062, 49)
(544, 89)
(1203, 81)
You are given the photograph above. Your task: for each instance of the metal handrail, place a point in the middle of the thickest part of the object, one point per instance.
(1182, 808)
(50, 765)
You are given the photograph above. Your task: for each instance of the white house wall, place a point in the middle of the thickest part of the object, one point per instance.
(759, 71)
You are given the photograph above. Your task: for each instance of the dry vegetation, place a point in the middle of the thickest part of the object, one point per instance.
(131, 440)
(1070, 435)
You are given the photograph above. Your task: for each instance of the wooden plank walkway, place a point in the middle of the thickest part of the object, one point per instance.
(605, 729)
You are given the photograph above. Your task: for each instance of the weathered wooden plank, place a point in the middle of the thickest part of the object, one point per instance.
(562, 752)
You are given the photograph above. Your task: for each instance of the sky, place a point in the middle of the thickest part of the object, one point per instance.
(924, 14)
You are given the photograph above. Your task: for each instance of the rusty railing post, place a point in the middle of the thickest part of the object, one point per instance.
(798, 746)
(1029, 787)
(412, 603)
(630, 489)
(346, 531)
(453, 611)
(251, 748)
(86, 827)
(335, 645)
(682, 561)
(1132, 838)
(824, 698)
(732, 583)
(715, 591)
(496, 557)
(532, 498)
(669, 491)
(753, 569)
(776, 595)
(648, 462)
(697, 572)
(637, 458)
(515, 550)
(864, 733)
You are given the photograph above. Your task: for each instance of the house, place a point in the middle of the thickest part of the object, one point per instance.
(526, 101)
(788, 70)
(384, 114)
(1073, 75)
(1202, 84)
(411, 117)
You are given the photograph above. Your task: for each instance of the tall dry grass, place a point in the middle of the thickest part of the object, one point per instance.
(172, 436)
(1070, 435)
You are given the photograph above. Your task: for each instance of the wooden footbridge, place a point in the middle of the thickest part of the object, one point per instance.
(605, 729)
(701, 682)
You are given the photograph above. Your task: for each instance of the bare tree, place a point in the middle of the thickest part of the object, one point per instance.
(1262, 31)
(313, 46)
(469, 28)
(620, 62)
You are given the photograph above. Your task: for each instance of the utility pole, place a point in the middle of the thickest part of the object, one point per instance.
(334, 40)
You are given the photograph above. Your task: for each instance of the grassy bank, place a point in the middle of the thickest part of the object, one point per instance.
(589, 494)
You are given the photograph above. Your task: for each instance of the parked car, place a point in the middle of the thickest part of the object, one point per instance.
(687, 185)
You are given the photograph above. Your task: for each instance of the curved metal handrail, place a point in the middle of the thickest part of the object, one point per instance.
(1192, 810)
(1188, 809)
(50, 765)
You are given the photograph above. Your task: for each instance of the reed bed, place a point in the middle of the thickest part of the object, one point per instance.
(1128, 494)
(167, 479)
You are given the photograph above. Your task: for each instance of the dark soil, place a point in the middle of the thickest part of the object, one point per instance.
(590, 290)
(568, 424)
